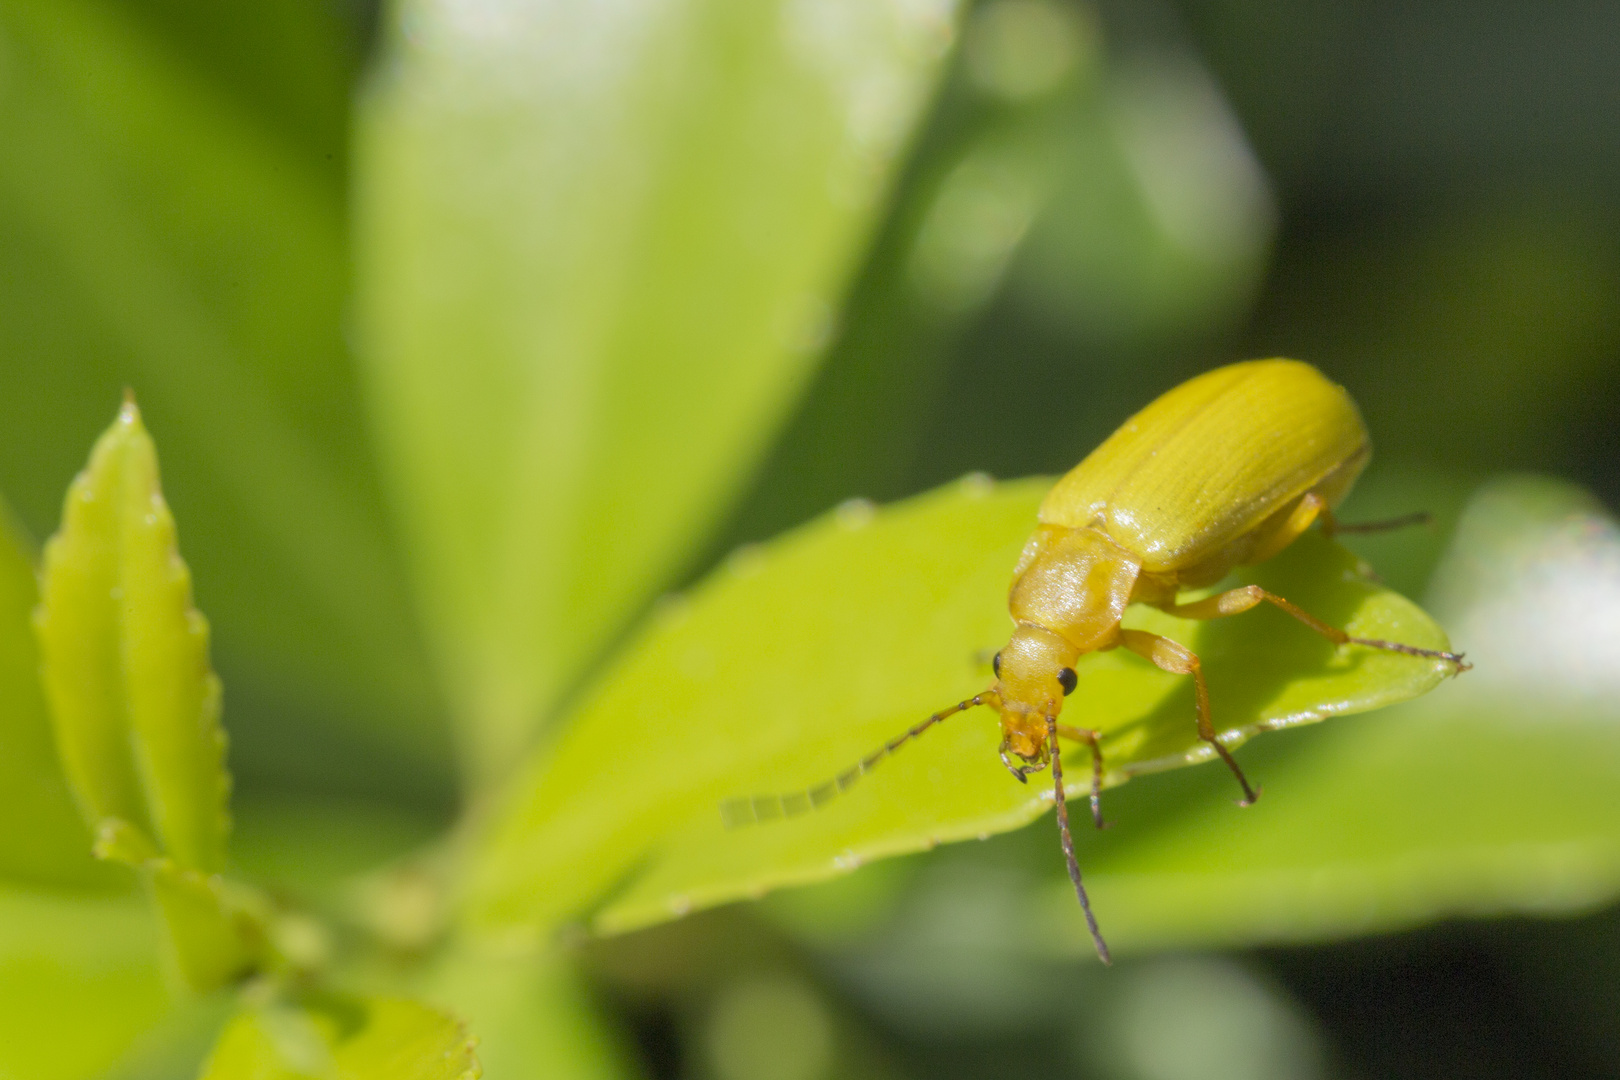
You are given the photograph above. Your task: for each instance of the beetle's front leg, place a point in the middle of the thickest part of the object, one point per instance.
(1176, 658)
(1089, 737)
(1236, 601)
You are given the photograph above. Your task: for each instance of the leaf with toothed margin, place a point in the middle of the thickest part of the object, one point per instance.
(801, 656)
(124, 658)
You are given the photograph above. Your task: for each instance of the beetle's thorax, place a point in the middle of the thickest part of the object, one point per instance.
(1073, 583)
(1068, 594)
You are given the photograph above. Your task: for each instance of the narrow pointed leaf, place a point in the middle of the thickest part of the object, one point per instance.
(172, 197)
(125, 657)
(333, 1038)
(600, 247)
(42, 838)
(800, 658)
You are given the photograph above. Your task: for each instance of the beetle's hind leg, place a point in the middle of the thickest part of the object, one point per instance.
(1236, 601)
(1176, 658)
(1090, 738)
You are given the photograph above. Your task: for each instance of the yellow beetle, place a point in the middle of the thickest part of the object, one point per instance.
(1225, 470)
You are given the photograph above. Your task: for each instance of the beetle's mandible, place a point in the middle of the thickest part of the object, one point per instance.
(1225, 470)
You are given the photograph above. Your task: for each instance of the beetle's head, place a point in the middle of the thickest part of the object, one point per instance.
(1034, 673)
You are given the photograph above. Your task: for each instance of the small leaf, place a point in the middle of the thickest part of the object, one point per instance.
(799, 658)
(215, 929)
(54, 846)
(216, 936)
(600, 250)
(333, 1038)
(125, 657)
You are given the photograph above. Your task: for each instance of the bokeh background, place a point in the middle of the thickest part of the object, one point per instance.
(1104, 198)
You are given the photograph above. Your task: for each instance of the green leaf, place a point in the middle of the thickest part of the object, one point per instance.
(333, 1038)
(533, 1015)
(81, 978)
(134, 702)
(798, 659)
(1496, 795)
(598, 253)
(125, 657)
(54, 848)
(161, 232)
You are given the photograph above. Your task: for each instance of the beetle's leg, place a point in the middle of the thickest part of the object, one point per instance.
(1089, 737)
(1236, 601)
(1179, 660)
(1305, 512)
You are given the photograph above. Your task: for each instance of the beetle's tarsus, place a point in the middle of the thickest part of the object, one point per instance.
(1250, 795)
(1458, 664)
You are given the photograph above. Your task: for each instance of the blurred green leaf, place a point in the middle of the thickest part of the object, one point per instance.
(332, 1038)
(136, 707)
(313, 848)
(214, 928)
(799, 658)
(1495, 795)
(54, 847)
(125, 657)
(157, 233)
(80, 979)
(599, 252)
(533, 1016)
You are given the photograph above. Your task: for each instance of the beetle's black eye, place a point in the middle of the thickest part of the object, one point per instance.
(995, 665)
(1068, 680)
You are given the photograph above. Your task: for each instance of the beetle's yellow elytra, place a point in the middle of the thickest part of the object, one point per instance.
(1210, 460)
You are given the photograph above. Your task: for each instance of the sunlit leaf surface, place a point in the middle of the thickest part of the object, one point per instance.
(335, 1038)
(798, 658)
(601, 246)
(1494, 795)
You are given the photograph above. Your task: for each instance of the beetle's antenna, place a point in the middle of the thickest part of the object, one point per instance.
(758, 808)
(1332, 526)
(1068, 839)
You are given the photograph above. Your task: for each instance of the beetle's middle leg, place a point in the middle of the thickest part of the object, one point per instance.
(1089, 737)
(1176, 658)
(1236, 601)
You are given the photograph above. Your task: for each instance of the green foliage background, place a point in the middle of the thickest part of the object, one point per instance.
(511, 366)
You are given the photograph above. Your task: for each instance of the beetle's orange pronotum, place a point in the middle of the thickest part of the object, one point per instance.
(1225, 470)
